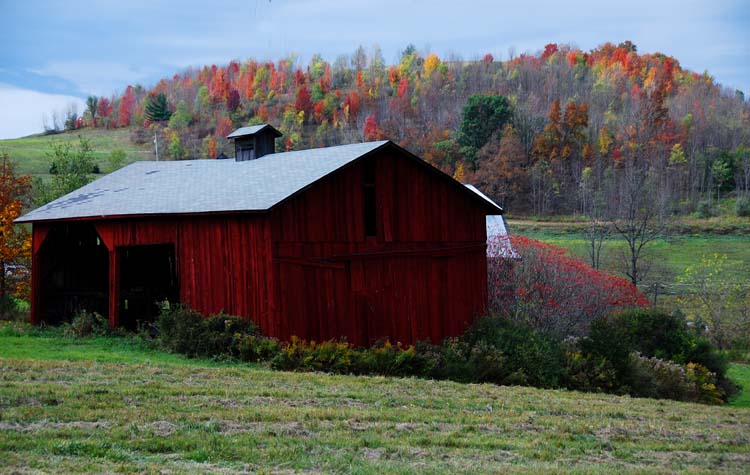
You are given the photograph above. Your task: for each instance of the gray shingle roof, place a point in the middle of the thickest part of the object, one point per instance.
(253, 129)
(485, 197)
(201, 186)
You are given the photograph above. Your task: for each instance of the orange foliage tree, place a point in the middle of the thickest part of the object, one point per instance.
(15, 241)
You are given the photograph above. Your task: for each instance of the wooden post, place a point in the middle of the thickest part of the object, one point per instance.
(114, 288)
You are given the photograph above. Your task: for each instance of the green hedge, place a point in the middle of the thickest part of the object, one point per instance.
(642, 353)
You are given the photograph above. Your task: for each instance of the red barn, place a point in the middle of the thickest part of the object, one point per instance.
(362, 241)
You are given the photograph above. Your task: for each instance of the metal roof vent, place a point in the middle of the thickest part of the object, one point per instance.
(254, 141)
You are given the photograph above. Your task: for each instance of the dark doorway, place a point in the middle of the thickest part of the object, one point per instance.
(74, 266)
(148, 276)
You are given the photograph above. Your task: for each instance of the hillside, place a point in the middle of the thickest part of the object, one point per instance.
(111, 405)
(570, 125)
(31, 153)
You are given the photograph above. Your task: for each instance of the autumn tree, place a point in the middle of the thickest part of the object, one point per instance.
(104, 109)
(126, 106)
(15, 241)
(502, 176)
(304, 102)
(563, 145)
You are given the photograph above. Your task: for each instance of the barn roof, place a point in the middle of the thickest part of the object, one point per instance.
(203, 186)
(253, 129)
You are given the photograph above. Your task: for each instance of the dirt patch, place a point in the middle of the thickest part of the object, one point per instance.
(373, 454)
(162, 428)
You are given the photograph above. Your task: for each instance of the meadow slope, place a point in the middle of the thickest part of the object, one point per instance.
(106, 405)
(31, 153)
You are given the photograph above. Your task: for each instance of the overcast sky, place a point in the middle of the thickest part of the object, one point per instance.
(56, 52)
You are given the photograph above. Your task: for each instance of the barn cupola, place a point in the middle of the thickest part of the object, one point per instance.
(254, 141)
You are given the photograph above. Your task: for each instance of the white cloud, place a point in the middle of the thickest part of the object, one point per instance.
(101, 78)
(23, 111)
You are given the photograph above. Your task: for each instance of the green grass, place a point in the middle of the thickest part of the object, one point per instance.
(30, 153)
(670, 257)
(741, 374)
(114, 405)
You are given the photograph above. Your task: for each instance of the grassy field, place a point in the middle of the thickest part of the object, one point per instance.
(113, 405)
(670, 256)
(30, 153)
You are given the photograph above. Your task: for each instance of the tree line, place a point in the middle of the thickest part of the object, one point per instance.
(571, 128)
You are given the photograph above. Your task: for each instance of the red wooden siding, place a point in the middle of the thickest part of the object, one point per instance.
(223, 262)
(422, 277)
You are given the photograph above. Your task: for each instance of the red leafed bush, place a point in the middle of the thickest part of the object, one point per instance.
(551, 290)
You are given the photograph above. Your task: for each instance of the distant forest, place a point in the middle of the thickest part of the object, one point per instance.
(560, 131)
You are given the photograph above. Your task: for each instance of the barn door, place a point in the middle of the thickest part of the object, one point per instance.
(148, 276)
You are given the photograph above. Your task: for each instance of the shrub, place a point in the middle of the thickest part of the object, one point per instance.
(742, 207)
(183, 330)
(650, 332)
(590, 373)
(553, 291)
(501, 351)
(13, 309)
(255, 348)
(86, 324)
(393, 360)
(704, 210)
(301, 355)
(657, 378)
(656, 335)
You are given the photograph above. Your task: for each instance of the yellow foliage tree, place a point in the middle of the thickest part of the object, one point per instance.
(15, 241)
(460, 173)
(431, 63)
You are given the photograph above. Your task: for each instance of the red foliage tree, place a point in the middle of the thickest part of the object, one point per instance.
(212, 148)
(318, 111)
(104, 108)
(549, 50)
(224, 127)
(371, 128)
(552, 290)
(219, 86)
(233, 100)
(126, 108)
(304, 101)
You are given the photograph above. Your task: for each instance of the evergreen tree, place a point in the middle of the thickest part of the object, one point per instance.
(157, 109)
(483, 115)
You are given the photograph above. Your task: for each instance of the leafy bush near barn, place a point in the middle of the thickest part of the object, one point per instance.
(500, 351)
(85, 324)
(186, 331)
(551, 290)
(642, 353)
